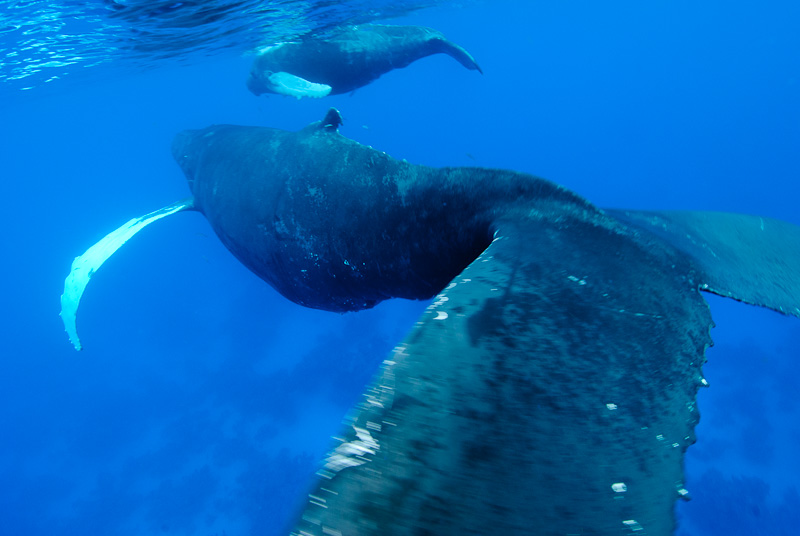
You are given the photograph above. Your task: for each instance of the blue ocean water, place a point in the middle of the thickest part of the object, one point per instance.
(203, 399)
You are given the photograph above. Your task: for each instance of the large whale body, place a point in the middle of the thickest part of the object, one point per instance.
(549, 388)
(347, 60)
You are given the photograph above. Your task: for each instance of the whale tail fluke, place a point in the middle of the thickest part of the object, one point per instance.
(457, 53)
(748, 258)
(453, 433)
(84, 266)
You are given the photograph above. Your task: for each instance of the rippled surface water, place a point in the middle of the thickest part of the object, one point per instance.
(44, 40)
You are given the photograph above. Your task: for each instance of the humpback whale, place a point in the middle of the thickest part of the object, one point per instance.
(347, 60)
(549, 388)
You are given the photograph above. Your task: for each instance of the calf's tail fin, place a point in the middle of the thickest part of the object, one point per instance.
(457, 53)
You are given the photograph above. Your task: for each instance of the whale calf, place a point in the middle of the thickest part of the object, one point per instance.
(550, 387)
(347, 60)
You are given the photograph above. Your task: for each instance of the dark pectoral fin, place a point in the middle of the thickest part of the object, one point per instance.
(549, 390)
(748, 258)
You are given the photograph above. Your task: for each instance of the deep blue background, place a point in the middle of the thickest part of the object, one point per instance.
(203, 399)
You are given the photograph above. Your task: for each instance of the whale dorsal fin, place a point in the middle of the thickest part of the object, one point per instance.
(748, 258)
(329, 124)
(332, 120)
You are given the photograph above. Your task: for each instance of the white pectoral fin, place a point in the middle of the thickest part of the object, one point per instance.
(294, 86)
(87, 264)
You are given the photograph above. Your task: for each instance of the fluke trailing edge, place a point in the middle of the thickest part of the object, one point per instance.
(347, 60)
(550, 387)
